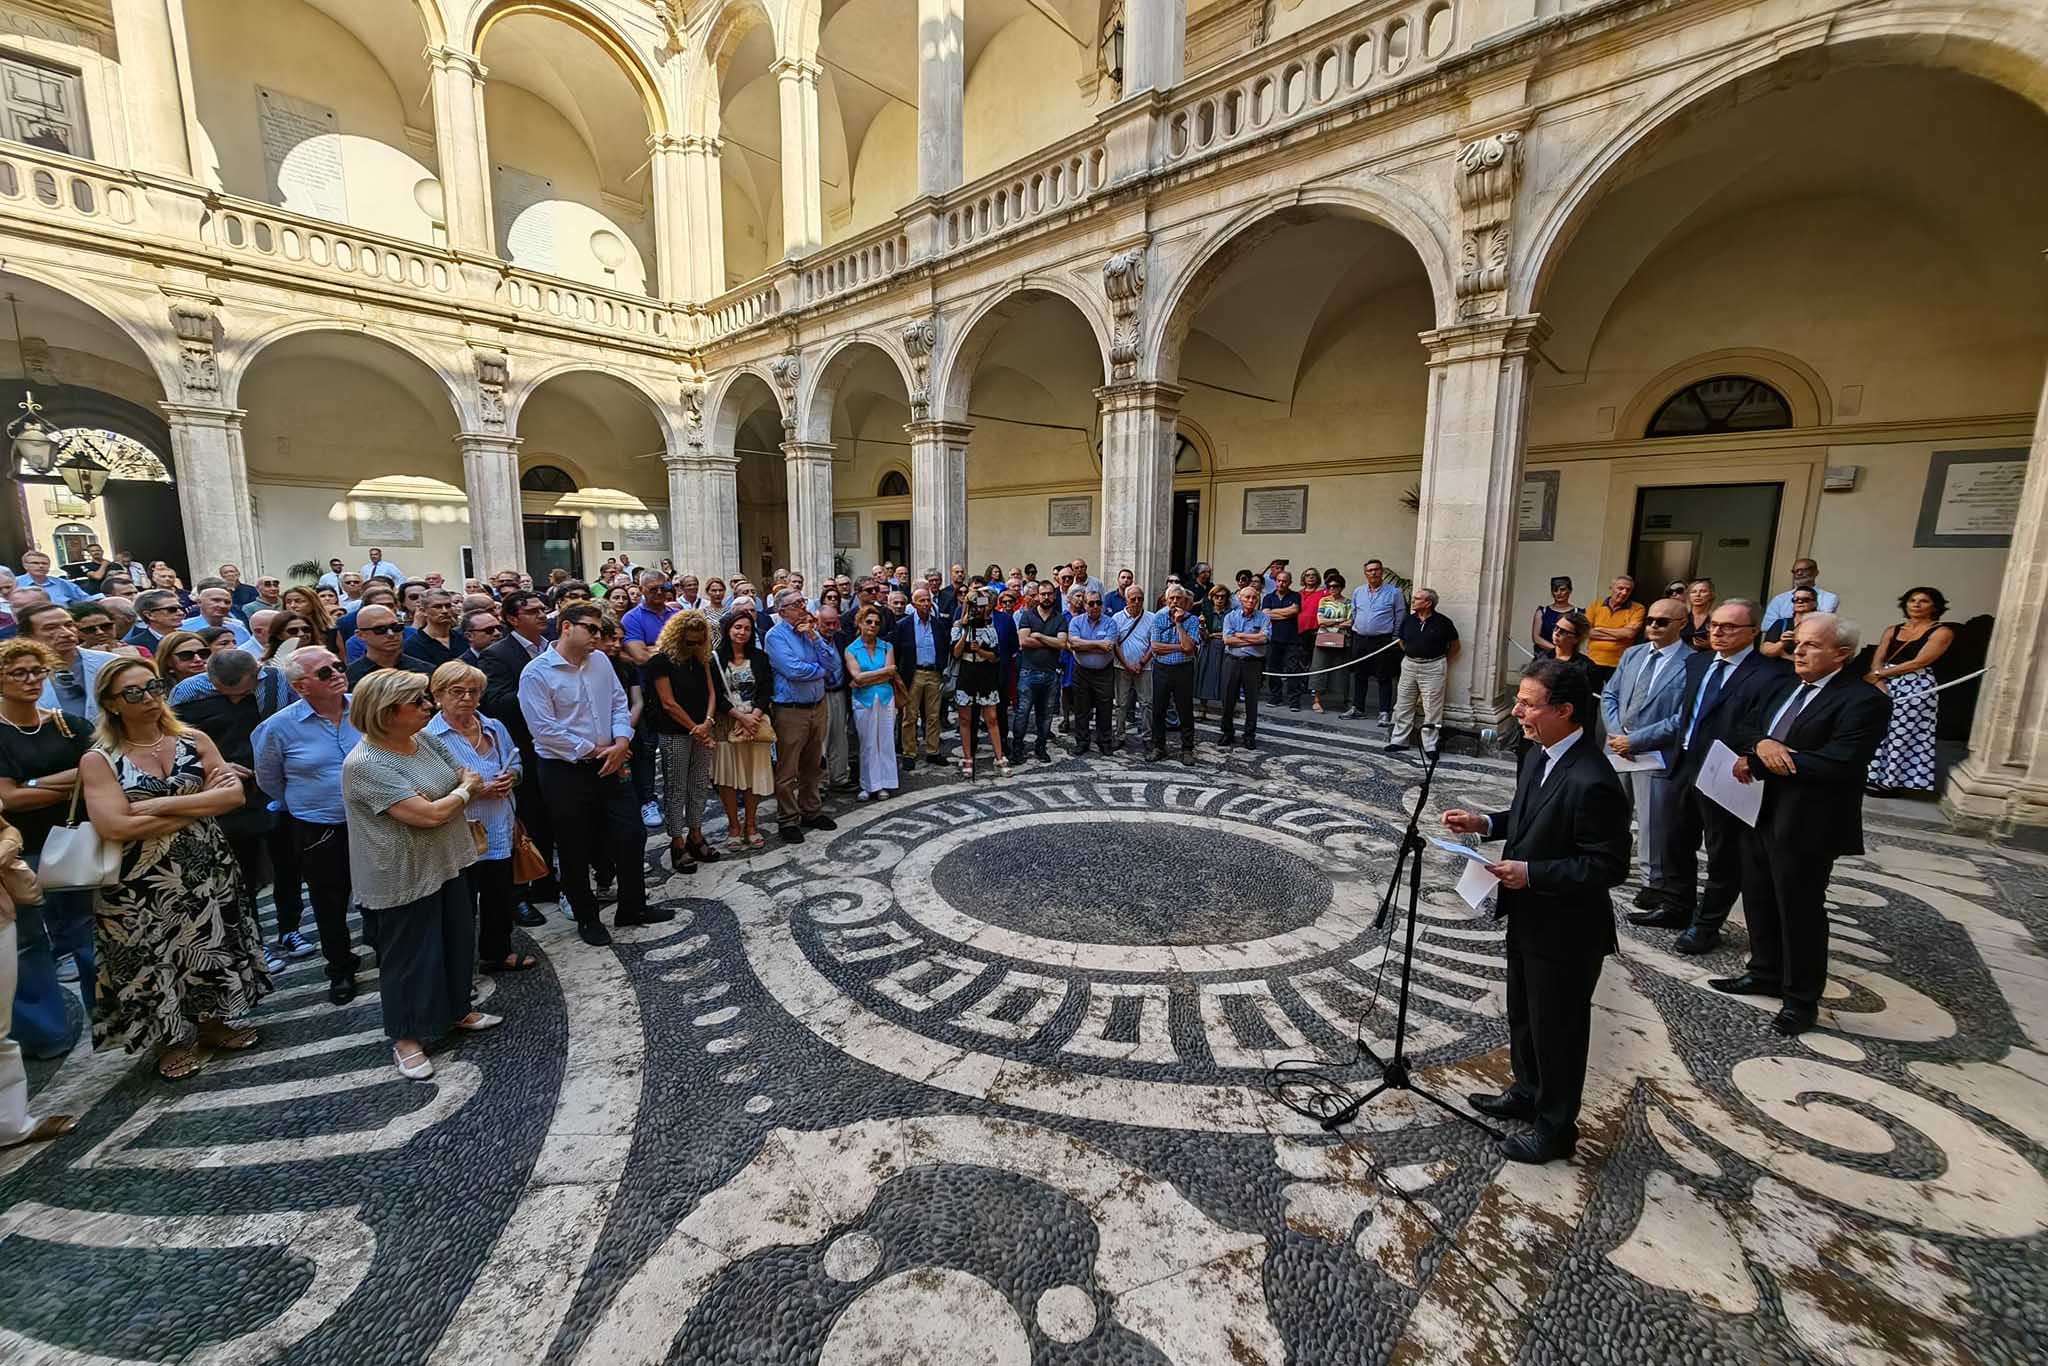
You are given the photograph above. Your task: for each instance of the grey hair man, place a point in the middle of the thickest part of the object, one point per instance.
(1428, 642)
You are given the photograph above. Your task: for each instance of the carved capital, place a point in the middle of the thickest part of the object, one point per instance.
(493, 370)
(675, 20)
(1123, 280)
(195, 325)
(1489, 172)
(920, 339)
(786, 369)
(454, 59)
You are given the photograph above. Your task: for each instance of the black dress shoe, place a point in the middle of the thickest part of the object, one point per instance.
(1697, 941)
(1649, 899)
(1748, 984)
(652, 916)
(526, 915)
(1537, 1147)
(1790, 1021)
(594, 932)
(1669, 918)
(1187, 756)
(1043, 756)
(792, 834)
(342, 992)
(1506, 1105)
(820, 823)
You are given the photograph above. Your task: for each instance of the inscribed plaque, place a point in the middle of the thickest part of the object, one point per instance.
(383, 521)
(1972, 499)
(301, 154)
(845, 530)
(1070, 516)
(526, 209)
(642, 531)
(1536, 514)
(1278, 509)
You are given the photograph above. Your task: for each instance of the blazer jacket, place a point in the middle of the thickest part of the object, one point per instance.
(503, 661)
(1818, 809)
(904, 638)
(1651, 720)
(1573, 832)
(1757, 670)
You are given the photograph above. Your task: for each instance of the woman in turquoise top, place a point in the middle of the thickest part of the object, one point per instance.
(872, 673)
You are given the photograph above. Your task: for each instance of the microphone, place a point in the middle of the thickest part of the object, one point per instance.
(1500, 737)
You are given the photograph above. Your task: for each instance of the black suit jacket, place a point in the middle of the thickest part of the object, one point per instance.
(1756, 672)
(1818, 809)
(502, 661)
(1573, 832)
(905, 640)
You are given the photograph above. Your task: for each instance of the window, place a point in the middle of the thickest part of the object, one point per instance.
(1725, 403)
(547, 479)
(72, 538)
(894, 485)
(42, 107)
(1187, 457)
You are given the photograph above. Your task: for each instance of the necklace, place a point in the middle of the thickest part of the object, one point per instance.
(26, 730)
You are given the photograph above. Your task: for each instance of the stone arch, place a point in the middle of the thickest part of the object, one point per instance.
(632, 62)
(798, 35)
(2001, 44)
(722, 430)
(734, 21)
(434, 21)
(1800, 384)
(239, 360)
(962, 344)
(152, 336)
(1382, 204)
(818, 391)
(664, 412)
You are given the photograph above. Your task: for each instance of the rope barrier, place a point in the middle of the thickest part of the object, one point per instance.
(1335, 667)
(1964, 679)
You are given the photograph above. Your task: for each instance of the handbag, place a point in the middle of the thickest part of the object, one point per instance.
(1331, 640)
(527, 864)
(75, 858)
(480, 837)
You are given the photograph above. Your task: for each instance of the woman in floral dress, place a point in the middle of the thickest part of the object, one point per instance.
(179, 948)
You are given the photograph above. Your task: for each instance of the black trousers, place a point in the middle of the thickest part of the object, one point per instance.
(323, 862)
(283, 852)
(1094, 706)
(1694, 821)
(1175, 682)
(1784, 892)
(1550, 1029)
(589, 812)
(490, 896)
(1286, 657)
(1381, 668)
(532, 810)
(1241, 675)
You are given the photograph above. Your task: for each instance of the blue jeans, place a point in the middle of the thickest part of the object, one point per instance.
(61, 924)
(1038, 693)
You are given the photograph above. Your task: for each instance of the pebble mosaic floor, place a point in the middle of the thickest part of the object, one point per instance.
(980, 1079)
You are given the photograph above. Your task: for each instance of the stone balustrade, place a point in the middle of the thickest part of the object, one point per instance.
(1059, 177)
(847, 266)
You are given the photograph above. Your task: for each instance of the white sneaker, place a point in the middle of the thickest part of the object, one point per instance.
(862, 795)
(650, 815)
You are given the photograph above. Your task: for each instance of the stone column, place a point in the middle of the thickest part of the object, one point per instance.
(1138, 428)
(671, 215)
(941, 48)
(1155, 43)
(703, 218)
(704, 513)
(465, 157)
(490, 479)
(802, 201)
(213, 486)
(2003, 784)
(938, 493)
(1471, 489)
(156, 85)
(809, 464)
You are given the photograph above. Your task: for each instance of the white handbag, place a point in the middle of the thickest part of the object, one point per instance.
(75, 858)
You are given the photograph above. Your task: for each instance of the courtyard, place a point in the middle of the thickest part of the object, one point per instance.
(982, 1077)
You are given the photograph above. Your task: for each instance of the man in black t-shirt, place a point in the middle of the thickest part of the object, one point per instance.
(1427, 639)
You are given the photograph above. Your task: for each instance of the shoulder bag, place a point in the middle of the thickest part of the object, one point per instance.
(75, 857)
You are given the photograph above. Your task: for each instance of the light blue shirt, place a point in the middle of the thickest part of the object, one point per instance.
(1780, 607)
(1167, 637)
(927, 649)
(1080, 628)
(61, 590)
(1134, 639)
(1235, 622)
(90, 662)
(199, 623)
(298, 761)
(804, 668)
(572, 711)
(383, 569)
(1726, 668)
(1376, 611)
(494, 813)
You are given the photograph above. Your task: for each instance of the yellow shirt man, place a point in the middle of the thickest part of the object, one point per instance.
(1606, 616)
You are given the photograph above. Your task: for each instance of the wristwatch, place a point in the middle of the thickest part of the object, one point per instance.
(30, 783)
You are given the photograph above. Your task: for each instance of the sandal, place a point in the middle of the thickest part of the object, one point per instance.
(176, 1064)
(756, 841)
(736, 845)
(476, 1022)
(51, 1127)
(513, 962)
(1317, 706)
(679, 859)
(967, 767)
(702, 850)
(216, 1034)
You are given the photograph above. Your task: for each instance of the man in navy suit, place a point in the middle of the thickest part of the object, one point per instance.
(1718, 686)
(1809, 741)
(1640, 708)
(924, 643)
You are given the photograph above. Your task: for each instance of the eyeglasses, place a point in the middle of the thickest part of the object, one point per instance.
(153, 688)
(188, 654)
(393, 629)
(1663, 621)
(34, 675)
(1729, 626)
(326, 673)
(464, 691)
(421, 700)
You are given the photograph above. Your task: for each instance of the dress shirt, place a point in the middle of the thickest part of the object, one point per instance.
(1236, 623)
(1780, 607)
(1134, 637)
(231, 621)
(1551, 754)
(927, 648)
(331, 579)
(495, 814)
(532, 647)
(1167, 638)
(1653, 663)
(1726, 666)
(573, 711)
(61, 591)
(1376, 611)
(383, 569)
(804, 666)
(1080, 628)
(298, 761)
(1801, 698)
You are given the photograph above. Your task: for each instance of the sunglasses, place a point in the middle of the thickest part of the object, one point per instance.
(390, 630)
(1664, 621)
(326, 673)
(422, 701)
(188, 654)
(153, 688)
(302, 632)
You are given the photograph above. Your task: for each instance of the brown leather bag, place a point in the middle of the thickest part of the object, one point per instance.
(527, 864)
(18, 885)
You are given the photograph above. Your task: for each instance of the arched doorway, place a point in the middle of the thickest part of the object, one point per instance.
(592, 483)
(750, 418)
(860, 406)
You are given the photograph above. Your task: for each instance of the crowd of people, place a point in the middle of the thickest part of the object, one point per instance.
(446, 761)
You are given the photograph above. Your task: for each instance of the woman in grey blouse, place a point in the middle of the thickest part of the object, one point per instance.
(408, 843)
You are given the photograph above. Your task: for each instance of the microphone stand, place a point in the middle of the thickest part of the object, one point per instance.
(1395, 1073)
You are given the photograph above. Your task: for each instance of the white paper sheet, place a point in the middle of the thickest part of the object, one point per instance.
(1717, 784)
(1463, 851)
(1651, 762)
(1476, 885)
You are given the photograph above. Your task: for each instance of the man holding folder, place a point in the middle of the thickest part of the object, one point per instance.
(1567, 844)
(1639, 707)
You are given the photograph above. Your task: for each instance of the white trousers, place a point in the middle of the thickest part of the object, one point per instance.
(1421, 689)
(877, 728)
(14, 1121)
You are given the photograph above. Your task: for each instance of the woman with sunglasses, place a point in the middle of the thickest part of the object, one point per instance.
(179, 656)
(408, 842)
(180, 950)
(288, 629)
(744, 767)
(39, 752)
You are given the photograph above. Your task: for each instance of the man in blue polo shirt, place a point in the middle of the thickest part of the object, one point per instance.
(1247, 632)
(805, 665)
(1176, 640)
(1091, 637)
(1376, 611)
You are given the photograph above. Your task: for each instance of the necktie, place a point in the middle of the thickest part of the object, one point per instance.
(1790, 714)
(1644, 677)
(1710, 690)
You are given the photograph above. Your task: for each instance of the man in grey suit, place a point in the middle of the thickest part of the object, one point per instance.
(1639, 707)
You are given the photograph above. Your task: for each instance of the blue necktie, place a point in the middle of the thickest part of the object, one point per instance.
(1708, 692)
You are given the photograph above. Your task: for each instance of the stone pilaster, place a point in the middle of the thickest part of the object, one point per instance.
(665, 168)
(213, 486)
(490, 480)
(802, 205)
(459, 142)
(938, 493)
(809, 466)
(704, 512)
(703, 218)
(1155, 44)
(941, 58)
(1465, 535)
(1138, 427)
(2003, 784)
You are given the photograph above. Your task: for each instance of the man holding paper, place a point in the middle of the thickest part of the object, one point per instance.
(1719, 683)
(1639, 707)
(1808, 740)
(1567, 844)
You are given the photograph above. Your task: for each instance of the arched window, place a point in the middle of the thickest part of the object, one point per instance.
(1187, 456)
(893, 485)
(72, 538)
(1725, 403)
(547, 479)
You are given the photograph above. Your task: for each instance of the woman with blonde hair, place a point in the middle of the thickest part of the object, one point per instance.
(689, 695)
(407, 799)
(179, 656)
(180, 952)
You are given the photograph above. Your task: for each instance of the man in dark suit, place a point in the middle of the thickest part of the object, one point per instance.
(1719, 683)
(1567, 839)
(924, 644)
(503, 661)
(1809, 741)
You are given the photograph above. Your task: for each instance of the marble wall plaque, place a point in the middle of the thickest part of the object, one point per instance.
(1070, 516)
(1276, 510)
(1536, 514)
(1972, 499)
(302, 154)
(642, 531)
(525, 205)
(845, 530)
(383, 521)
